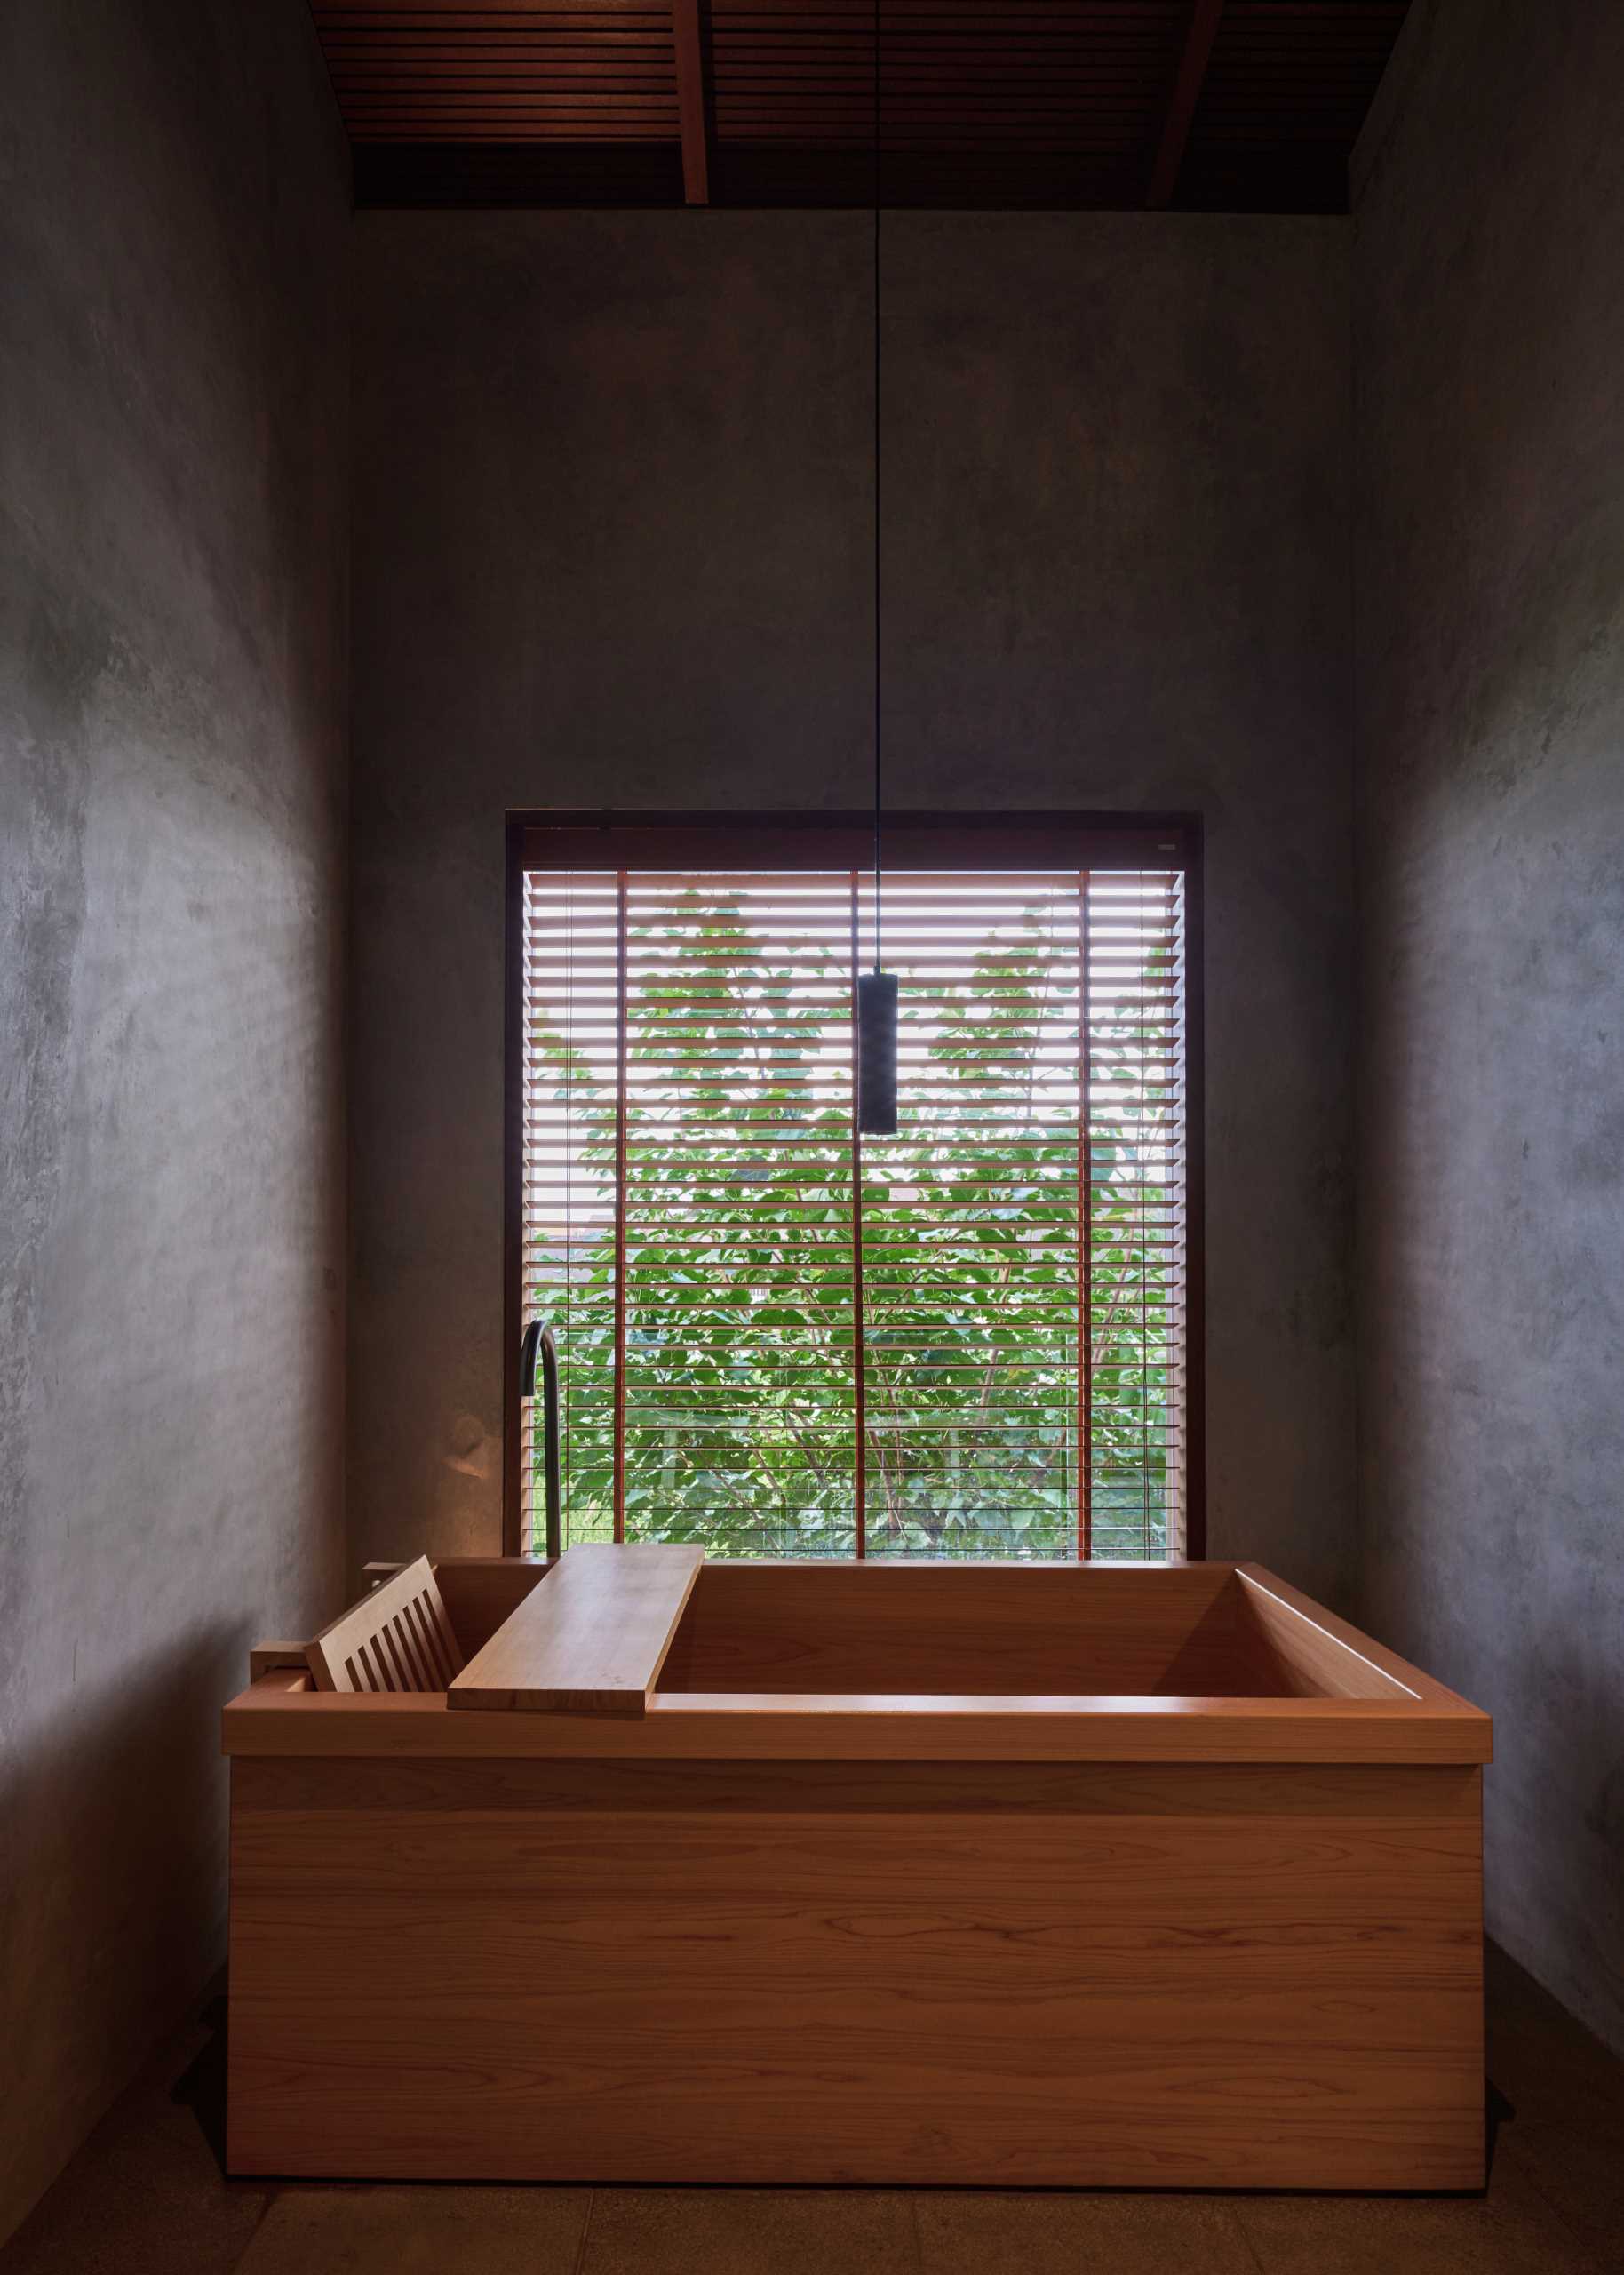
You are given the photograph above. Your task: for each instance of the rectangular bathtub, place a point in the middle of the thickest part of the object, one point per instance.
(1019, 1875)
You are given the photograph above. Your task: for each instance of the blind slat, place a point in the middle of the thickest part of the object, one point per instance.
(966, 1339)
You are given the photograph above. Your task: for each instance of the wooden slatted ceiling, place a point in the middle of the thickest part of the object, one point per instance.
(604, 71)
(955, 74)
(1243, 104)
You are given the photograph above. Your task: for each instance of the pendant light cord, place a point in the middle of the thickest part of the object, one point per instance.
(876, 642)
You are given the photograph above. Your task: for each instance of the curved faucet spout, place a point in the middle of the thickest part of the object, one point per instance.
(537, 1337)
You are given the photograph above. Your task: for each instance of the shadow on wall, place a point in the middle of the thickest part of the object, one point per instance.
(113, 1884)
(201, 2087)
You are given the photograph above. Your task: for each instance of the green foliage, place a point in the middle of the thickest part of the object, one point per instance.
(740, 1391)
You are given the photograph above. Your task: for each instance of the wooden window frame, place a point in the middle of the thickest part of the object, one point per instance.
(585, 838)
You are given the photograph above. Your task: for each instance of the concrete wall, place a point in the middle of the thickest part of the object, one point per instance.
(1489, 348)
(613, 545)
(172, 798)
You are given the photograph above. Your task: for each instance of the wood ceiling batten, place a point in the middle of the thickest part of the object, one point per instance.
(1193, 60)
(692, 100)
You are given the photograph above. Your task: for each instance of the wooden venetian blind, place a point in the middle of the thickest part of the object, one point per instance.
(778, 1338)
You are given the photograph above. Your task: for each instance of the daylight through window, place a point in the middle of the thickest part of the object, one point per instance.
(780, 1339)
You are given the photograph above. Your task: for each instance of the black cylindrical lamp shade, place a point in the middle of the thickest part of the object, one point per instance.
(876, 1053)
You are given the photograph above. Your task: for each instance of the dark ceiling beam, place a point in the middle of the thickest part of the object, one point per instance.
(692, 100)
(1199, 35)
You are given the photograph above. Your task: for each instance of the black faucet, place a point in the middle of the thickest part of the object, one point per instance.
(537, 1337)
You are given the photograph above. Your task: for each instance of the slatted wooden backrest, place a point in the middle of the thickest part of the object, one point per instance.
(398, 1638)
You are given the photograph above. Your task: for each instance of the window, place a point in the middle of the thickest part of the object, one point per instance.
(972, 1339)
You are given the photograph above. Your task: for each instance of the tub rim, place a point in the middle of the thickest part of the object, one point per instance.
(1415, 1721)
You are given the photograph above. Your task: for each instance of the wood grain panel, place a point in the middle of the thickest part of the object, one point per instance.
(270, 1658)
(1327, 1657)
(1047, 1629)
(261, 1723)
(817, 1972)
(591, 1638)
(481, 1593)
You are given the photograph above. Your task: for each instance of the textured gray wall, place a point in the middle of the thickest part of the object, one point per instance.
(172, 691)
(613, 545)
(1489, 350)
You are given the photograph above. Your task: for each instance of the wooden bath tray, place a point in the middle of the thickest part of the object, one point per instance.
(591, 1639)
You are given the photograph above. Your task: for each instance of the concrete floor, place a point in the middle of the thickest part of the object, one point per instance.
(145, 2196)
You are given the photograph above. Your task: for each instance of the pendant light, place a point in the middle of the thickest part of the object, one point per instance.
(877, 989)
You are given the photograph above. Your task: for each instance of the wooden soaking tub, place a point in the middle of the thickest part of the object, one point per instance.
(1034, 1875)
